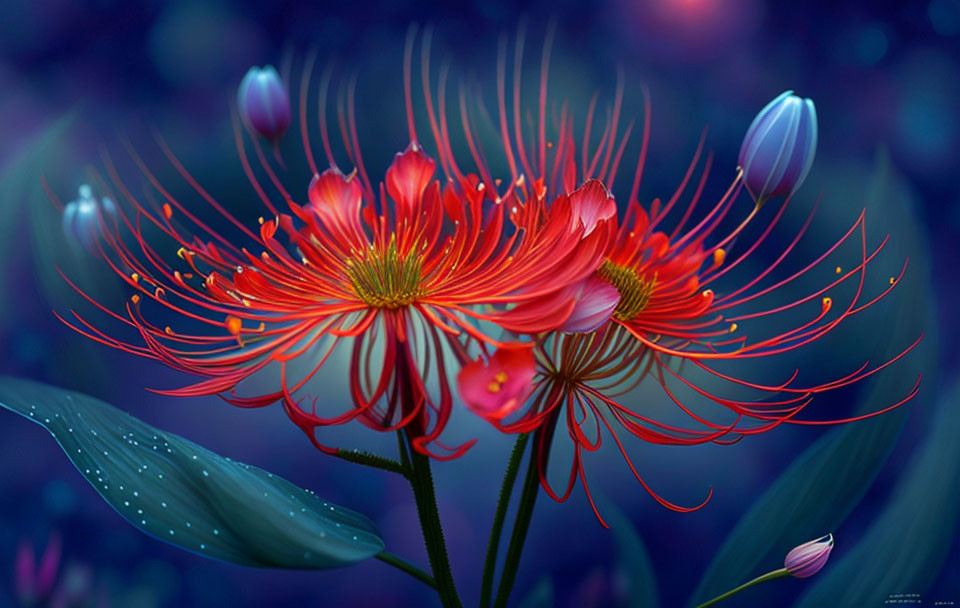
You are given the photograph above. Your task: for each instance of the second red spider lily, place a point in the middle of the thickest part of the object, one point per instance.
(672, 301)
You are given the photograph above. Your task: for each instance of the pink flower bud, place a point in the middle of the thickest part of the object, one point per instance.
(807, 559)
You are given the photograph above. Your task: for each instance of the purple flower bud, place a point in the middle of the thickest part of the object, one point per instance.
(264, 103)
(779, 147)
(85, 219)
(807, 559)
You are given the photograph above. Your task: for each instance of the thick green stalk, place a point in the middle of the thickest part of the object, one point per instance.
(421, 478)
(769, 576)
(528, 498)
(422, 481)
(493, 545)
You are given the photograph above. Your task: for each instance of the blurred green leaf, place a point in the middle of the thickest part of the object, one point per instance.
(817, 492)
(905, 547)
(188, 496)
(633, 561)
(540, 596)
(20, 187)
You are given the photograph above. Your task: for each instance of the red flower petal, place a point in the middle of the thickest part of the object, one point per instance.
(592, 204)
(499, 387)
(408, 177)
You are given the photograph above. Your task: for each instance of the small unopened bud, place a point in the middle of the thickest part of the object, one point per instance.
(263, 102)
(808, 559)
(779, 147)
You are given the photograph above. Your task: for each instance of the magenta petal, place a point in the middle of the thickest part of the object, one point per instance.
(808, 558)
(594, 305)
(49, 566)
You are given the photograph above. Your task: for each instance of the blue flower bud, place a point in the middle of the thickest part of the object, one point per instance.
(85, 219)
(779, 147)
(264, 103)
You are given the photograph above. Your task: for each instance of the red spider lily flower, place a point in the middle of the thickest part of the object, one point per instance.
(406, 278)
(671, 306)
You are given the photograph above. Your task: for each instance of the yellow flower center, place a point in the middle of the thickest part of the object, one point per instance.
(386, 279)
(498, 381)
(634, 289)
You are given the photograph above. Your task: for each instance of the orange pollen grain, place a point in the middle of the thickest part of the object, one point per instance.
(167, 211)
(501, 377)
(494, 387)
(719, 256)
(233, 324)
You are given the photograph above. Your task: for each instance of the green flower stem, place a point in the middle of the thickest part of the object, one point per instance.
(493, 545)
(769, 576)
(421, 479)
(528, 498)
(402, 564)
(372, 460)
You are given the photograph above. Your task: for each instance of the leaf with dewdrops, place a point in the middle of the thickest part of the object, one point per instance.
(186, 495)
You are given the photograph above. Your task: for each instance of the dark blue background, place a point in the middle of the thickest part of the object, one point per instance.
(884, 76)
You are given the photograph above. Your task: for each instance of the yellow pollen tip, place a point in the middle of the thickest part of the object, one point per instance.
(719, 256)
(892, 280)
(501, 377)
(733, 327)
(260, 219)
(135, 299)
(135, 277)
(386, 278)
(839, 270)
(826, 304)
(494, 387)
(707, 293)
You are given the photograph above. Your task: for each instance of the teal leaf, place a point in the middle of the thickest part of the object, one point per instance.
(904, 549)
(633, 561)
(186, 495)
(540, 596)
(823, 485)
